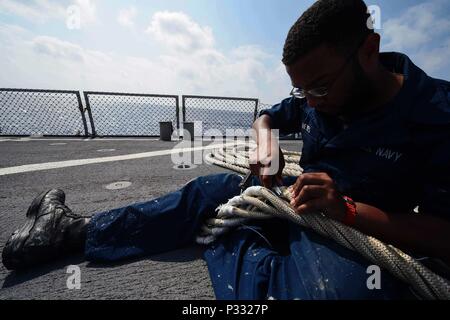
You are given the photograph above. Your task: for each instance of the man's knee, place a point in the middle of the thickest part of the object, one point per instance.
(217, 178)
(218, 186)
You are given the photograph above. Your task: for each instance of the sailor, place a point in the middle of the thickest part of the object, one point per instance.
(376, 132)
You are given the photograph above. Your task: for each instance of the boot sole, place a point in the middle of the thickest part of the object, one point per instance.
(21, 235)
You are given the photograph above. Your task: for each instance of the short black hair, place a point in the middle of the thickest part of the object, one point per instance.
(338, 23)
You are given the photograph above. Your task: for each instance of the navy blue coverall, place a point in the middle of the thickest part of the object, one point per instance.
(395, 159)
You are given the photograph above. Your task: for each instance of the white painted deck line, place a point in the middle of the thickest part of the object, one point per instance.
(26, 139)
(83, 162)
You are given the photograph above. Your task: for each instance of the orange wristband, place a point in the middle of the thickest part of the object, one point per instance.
(350, 215)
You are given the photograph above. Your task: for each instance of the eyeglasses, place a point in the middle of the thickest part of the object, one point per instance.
(321, 92)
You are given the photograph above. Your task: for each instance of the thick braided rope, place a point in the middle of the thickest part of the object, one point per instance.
(261, 203)
(238, 161)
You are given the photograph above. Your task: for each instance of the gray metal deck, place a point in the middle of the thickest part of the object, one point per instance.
(181, 274)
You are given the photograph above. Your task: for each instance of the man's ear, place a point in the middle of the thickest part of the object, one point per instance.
(370, 52)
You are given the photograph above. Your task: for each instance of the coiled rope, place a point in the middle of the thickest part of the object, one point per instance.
(261, 203)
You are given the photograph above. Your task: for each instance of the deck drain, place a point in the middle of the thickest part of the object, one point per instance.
(185, 167)
(106, 150)
(118, 185)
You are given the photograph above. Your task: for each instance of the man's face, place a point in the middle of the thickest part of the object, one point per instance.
(340, 73)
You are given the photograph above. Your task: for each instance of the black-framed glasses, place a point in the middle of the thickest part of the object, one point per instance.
(321, 92)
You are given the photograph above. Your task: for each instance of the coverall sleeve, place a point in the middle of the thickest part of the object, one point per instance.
(286, 116)
(436, 193)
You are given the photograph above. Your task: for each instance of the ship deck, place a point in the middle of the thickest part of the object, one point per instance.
(84, 169)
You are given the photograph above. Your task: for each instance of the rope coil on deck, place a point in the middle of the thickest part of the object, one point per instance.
(261, 203)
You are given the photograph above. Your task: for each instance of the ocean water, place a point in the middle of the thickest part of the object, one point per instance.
(144, 119)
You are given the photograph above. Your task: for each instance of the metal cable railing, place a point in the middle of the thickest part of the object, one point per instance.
(215, 116)
(25, 112)
(129, 114)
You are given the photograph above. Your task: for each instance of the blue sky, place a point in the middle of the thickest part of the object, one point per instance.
(208, 47)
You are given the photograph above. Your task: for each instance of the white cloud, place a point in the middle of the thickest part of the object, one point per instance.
(88, 11)
(200, 68)
(8, 33)
(41, 11)
(436, 59)
(417, 31)
(126, 17)
(417, 26)
(179, 32)
(249, 51)
(57, 49)
(36, 10)
(65, 52)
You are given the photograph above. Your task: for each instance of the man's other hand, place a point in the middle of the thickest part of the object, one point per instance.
(317, 192)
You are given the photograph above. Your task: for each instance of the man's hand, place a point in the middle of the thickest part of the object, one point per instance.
(317, 192)
(267, 163)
